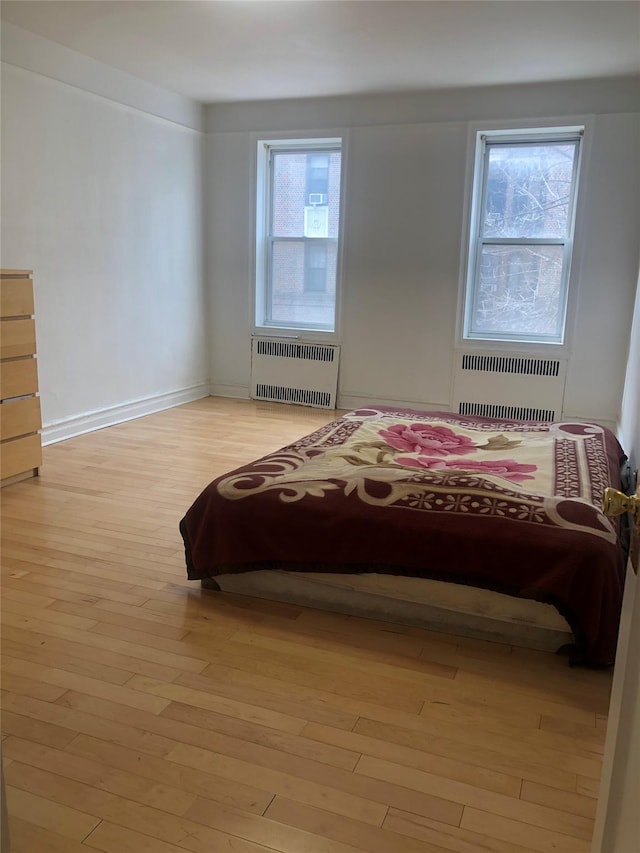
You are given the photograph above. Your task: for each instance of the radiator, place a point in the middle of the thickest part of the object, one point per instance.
(294, 372)
(509, 385)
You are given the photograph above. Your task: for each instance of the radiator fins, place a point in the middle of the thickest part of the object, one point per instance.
(305, 374)
(284, 349)
(301, 396)
(509, 385)
(507, 413)
(512, 364)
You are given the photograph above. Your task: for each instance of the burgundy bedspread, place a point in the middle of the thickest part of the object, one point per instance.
(506, 505)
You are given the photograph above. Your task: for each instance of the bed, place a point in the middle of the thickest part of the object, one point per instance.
(506, 506)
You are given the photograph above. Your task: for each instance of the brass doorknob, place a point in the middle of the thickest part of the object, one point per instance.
(615, 503)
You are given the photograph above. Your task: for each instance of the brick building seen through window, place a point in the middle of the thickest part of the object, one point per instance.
(304, 220)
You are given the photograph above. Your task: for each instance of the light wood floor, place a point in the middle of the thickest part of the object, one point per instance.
(144, 715)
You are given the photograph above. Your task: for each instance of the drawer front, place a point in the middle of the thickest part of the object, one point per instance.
(19, 417)
(18, 378)
(16, 297)
(18, 338)
(19, 455)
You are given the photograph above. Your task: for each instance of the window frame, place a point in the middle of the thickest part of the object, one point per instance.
(263, 242)
(475, 201)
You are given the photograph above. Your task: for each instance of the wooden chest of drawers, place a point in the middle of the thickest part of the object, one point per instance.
(20, 444)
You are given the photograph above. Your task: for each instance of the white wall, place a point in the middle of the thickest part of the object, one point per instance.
(630, 415)
(405, 175)
(608, 261)
(104, 195)
(104, 202)
(229, 228)
(617, 828)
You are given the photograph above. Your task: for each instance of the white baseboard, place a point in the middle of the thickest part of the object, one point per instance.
(360, 401)
(90, 421)
(238, 392)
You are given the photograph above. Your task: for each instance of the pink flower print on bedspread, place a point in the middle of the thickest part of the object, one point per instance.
(427, 438)
(517, 472)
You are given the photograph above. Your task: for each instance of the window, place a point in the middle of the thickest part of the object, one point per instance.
(521, 235)
(298, 219)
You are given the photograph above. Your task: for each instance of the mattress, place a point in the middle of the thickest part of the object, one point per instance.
(508, 506)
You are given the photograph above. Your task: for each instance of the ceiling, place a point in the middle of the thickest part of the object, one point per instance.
(238, 50)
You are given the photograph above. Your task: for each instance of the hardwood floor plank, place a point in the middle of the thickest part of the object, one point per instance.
(132, 695)
(132, 786)
(95, 657)
(566, 801)
(387, 642)
(44, 655)
(357, 629)
(47, 734)
(328, 651)
(278, 781)
(507, 746)
(199, 608)
(26, 837)
(358, 626)
(453, 742)
(10, 593)
(589, 686)
(516, 832)
(112, 644)
(585, 734)
(211, 702)
(469, 796)
(444, 720)
(307, 704)
(116, 839)
(347, 830)
(449, 768)
(126, 813)
(239, 795)
(60, 587)
(84, 684)
(343, 782)
(129, 621)
(39, 810)
(81, 566)
(140, 616)
(28, 687)
(298, 670)
(15, 545)
(289, 668)
(588, 787)
(185, 724)
(76, 721)
(449, 838)
(270, 833)
(576, 709)
(46, 614)
(179, 648)
(303, 747)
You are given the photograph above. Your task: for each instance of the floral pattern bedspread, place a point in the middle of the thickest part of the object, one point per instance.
(506, 505)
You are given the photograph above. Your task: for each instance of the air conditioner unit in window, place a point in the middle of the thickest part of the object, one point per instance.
(316, 198)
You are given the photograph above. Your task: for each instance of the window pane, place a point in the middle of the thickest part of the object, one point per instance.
(304, 179)
(315, 266)
(528, 190)
(303, 283)
(519, 291)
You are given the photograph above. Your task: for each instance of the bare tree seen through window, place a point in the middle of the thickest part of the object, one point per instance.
(525, 221)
